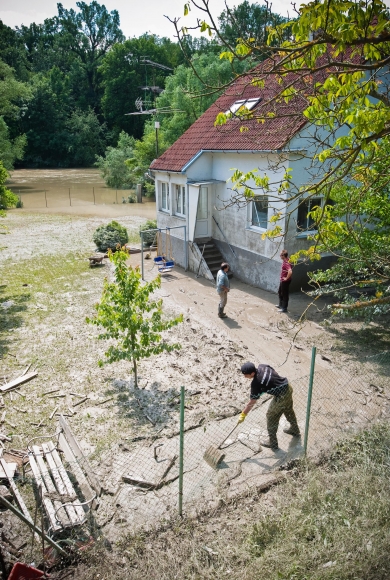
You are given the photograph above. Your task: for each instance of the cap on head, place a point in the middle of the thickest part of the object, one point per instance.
(248, 368)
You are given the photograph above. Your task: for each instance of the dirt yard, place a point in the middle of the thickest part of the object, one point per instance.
(48, 289)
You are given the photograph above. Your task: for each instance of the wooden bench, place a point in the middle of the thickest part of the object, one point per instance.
(65, 506)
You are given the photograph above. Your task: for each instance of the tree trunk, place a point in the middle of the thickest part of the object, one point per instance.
(135, 373)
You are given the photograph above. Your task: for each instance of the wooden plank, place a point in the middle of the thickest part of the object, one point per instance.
(18, 381)
(45, 500)
(47, 449)
(11, 470)
(15, 490)
(50, 486)
(68, 484)
(83, 461)
(88, 492)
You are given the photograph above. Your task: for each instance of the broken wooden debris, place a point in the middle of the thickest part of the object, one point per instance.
(77, 395)
(50, 392)
(102, 402)
(80, 402)
(53, 413)
(26, 370)
(10, 424)
(4, 437)
(12, 467)
(57, 396)
(2, 418)
(19, 410)
(140, 481)
(19, 381)
(15, 490)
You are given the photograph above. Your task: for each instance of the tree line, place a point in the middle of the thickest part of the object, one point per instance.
(66, 86)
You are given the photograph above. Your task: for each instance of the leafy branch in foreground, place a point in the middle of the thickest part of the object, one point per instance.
(130, 317)
(329, 80)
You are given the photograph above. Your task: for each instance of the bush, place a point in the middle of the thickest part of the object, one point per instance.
(109, 236)
(150, 237)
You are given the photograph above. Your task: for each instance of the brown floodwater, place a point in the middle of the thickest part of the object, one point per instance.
(74, 191)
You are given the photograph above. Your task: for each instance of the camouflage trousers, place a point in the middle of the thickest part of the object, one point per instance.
(279, 406)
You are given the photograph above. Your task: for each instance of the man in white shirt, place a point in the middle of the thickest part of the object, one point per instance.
(223, 287)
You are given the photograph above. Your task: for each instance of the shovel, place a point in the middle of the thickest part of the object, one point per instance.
(214, 455)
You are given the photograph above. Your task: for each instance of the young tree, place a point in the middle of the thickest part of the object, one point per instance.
(131, 317)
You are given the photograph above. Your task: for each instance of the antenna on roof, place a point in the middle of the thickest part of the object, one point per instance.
(142, 105)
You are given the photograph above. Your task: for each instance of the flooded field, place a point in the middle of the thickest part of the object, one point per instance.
(74, 191)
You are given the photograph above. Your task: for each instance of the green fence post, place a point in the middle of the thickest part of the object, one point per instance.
(181, 451)
(308, 408)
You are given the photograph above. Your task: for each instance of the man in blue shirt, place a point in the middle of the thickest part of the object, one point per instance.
(223, 287)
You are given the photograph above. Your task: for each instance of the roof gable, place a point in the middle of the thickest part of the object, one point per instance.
(272, 134)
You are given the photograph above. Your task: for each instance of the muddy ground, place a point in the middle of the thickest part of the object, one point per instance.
(48, 289)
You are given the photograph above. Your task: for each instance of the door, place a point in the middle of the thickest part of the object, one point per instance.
(202, 228)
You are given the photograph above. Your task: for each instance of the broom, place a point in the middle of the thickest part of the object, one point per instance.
(214, 455)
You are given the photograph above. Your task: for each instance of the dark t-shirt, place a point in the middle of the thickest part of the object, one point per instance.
(267, 380)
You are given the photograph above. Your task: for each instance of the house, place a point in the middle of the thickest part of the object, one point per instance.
(193, 187)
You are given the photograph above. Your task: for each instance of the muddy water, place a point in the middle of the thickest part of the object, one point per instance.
(74, 191)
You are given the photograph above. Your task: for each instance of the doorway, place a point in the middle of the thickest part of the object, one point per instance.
(202, 229)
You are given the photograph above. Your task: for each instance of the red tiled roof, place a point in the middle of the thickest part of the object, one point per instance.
(273, 134)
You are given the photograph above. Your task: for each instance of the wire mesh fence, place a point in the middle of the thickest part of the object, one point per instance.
(73, 196)
(153, 481)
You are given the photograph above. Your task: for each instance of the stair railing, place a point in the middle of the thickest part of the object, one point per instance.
(219, 227)
(200, 261)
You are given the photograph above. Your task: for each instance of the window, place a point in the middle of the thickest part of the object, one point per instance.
(305, 222)
(165, 196)
(259, 217)
(180, 199)
(243, 104)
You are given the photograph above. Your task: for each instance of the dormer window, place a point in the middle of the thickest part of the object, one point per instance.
(242, 106)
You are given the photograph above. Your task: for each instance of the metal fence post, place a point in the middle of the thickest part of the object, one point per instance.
(142, 255)
(308, 408)
(181, 451)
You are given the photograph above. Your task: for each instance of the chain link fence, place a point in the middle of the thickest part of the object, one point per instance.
(151, 482)
(72, 196)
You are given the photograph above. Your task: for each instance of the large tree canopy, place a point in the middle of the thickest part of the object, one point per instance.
(336, 62)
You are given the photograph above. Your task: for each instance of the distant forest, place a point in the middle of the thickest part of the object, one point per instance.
(66, 86)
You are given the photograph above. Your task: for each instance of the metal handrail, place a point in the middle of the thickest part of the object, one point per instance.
(200, 261)
(219, 227)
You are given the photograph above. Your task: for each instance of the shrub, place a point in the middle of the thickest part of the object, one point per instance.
(150, 237)
(109, 236)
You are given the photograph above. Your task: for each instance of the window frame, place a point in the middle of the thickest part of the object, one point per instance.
(306, 229)
(249, 104)
(253, 226)
(166, 207)
(180, 211)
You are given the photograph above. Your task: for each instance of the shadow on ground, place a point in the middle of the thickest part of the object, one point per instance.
(12, 307)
